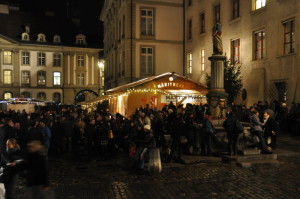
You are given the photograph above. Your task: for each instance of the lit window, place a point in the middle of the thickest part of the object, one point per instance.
(189, 63)
(260, 44)
(80, 61)
(41, 78)
(147, 60)
(259, 4)
(289, 36)
(41, 96)
(235, 51)
(25, 58)
(202, 60)
(7, 59)
(147, 19)
(25, 77)
(41, 59)
(56, 59)
(7, 77)
(80, 79)
(235, 9)
(56, 78)
(7, 95)
(202, 23)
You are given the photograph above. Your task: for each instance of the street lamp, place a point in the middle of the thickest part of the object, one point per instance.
(101, 65)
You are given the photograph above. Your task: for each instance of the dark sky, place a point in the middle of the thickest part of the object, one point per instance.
(88, 11)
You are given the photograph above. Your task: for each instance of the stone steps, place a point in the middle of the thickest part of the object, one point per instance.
(268, 162)
(251, 157)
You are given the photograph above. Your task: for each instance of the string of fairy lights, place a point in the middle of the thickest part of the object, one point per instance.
(145, 90)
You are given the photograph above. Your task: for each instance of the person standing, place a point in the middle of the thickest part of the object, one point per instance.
(208, 131)
(46, 134)
(90, 133)
(271, 129)
(231, 124)
(37, 179)
(11, 159)
(258, 131)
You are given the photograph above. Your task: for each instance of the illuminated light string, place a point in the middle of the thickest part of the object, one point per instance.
(147, 91)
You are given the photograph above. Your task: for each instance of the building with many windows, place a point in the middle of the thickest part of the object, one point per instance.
(47, 58)
(259, 35)
(142, 38)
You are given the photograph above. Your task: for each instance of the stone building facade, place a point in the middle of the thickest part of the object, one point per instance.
(45, 58)
(141, 38)
(259, 35)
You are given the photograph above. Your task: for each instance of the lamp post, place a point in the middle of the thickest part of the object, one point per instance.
(101, 64)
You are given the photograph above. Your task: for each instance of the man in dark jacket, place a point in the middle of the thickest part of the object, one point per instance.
(9, 129)
(271, 128)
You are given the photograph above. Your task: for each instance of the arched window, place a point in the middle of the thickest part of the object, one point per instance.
(56, 39)
(25, 94)
(41, 37)
(25, 36)
(57, 97)
(41, 96)
(7, 95)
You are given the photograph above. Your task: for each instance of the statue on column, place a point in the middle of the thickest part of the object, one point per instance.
(217, 40)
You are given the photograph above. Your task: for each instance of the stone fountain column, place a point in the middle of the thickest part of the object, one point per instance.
(217, 96)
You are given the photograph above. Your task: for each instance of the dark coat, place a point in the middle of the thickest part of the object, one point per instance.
(271, 125)
(35, 134)
(230, 124)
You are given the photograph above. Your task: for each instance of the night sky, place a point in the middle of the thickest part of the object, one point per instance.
(88, 11)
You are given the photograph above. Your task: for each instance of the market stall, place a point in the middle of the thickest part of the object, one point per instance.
(156, 91)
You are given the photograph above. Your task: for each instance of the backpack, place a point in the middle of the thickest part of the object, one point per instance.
(238, 127)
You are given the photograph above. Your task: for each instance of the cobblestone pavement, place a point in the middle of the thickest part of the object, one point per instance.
(112, 179)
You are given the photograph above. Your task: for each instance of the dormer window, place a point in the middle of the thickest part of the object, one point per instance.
(41, 37)
(56, 39)
(25, 36)
(80, 39)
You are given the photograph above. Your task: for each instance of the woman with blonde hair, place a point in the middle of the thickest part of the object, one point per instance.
(11, 159)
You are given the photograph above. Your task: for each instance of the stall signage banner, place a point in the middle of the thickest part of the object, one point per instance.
(174, 99)
(170, 84)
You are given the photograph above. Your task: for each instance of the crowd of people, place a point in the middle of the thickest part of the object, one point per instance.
(28, 138)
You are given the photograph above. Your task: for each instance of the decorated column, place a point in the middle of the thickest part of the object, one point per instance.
(217, 95)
